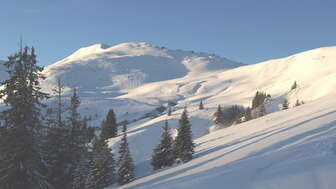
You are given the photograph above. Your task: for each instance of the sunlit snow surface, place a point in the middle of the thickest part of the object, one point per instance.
(294, 148)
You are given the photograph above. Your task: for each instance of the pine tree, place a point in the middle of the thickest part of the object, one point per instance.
(126, 167)
(21, 163)
(201, 106)
(109, 126)
(58, 91)
(294, 86)
(56, 157)
(248, 114)
(163, 155)
(219, 116)
(297, 103)
(102, 166)
(81, 172)
(259, 99)
(124, 143)
(76, 138)
(183, 146)
(55, 143)
(74, 117)
(285, 105)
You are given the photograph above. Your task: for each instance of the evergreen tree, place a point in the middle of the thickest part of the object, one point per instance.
(81, 172)
(219, 116)
(285, 105)
(76, 138)
(248, 114)
(56, 157)
(102, 166)
(123, 143)
(294, 86)
(258, 111)
(183, 146)
(297, 103)
(201, 106)
(109, 126)
(163, 155)
(21, 163)
(58, 91)
(126, 167)
(259, 99)
(74, 117)
(233, 114)
(55, 143)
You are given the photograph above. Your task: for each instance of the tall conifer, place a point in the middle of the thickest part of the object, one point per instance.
(126, 166)
(163, 155)
(21, 163)
(183, 145)
(109, 127)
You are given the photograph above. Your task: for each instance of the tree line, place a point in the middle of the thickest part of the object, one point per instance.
(53, 147)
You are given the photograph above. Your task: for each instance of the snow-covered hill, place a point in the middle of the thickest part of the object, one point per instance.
(313, 70)
(130, 65)
(103, 73)
(295, 148)
(269, 152)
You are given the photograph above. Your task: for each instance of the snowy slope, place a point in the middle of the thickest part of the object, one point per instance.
(102, 72)
(135, 78)
(313, 70)
(129, 65)
(288, 149)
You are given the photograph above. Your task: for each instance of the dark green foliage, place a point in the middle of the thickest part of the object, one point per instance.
(81, 172)
(163, 155)
(123, 144)
(201, 106)
(74, 116)
(58, 92)
(219, 116)
(90, 133)
(183, 145)
(102, 166)
(248, 114)
(294, 86)
(126, 167)
(285, 105)
(109, 128)
(259, 111)
(21, 163)
(56, 157)
(77, 136)
(55, 146)
(259, 99)
(233, 114)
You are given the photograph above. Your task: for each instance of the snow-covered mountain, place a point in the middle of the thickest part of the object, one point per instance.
(315, 73)
(313, 70)
(103, 73)
(129, 65)
(294, 148)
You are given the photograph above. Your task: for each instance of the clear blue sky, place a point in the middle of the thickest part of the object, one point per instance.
(247, 31)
